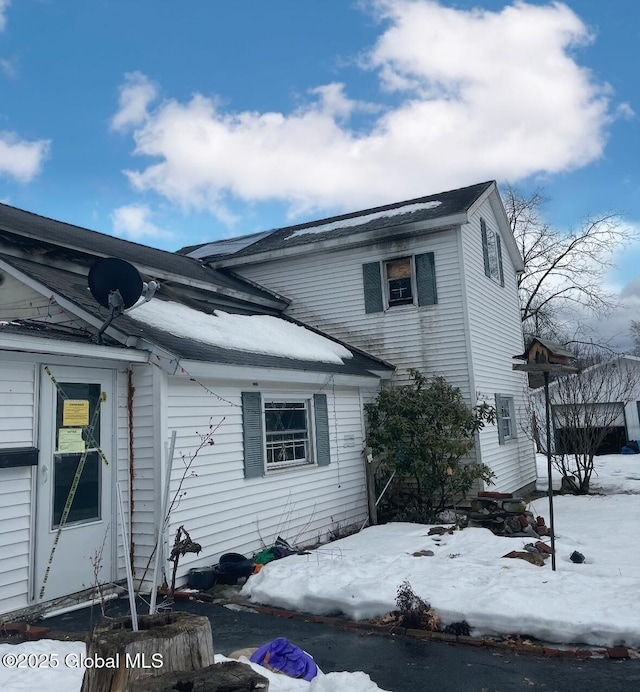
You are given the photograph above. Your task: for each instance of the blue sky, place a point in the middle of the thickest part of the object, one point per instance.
(172, 124)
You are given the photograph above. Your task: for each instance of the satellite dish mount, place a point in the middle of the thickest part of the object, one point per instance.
(115, 284)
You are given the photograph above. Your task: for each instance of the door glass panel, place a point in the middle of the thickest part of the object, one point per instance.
(76, 439)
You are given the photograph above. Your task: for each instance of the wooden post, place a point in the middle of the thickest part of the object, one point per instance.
(164, 643)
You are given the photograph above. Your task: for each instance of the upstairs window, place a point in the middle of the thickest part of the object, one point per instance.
(492, 253)
(399, 281)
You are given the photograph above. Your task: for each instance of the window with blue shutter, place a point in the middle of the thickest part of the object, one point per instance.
(252, 434)
(400, 281)
(426, 279)
(323, 449)
(372, 287)
(278, 434)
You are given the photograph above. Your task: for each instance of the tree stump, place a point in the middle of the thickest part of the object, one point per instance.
(229, 676)
(117, 657)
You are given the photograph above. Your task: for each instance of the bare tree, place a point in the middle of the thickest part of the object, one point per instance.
(634, 333)
(564, 272)
(586, 409)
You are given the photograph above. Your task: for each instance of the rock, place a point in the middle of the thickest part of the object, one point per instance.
(514, 505)
(423, 553)
(544, 548)
(528, 531)
(569, 484)
(229, 676)
(533, 558)
(576, 557)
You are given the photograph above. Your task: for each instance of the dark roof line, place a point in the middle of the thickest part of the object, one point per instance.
(451, 202)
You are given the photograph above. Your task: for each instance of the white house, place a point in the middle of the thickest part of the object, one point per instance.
(89, 404)
(430, 283)
(599, 407)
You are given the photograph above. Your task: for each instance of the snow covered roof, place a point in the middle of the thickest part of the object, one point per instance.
(362, 220)
(183, 333)
(262, 334)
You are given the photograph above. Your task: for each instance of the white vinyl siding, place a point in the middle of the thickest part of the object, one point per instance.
(148, 443)
(226, 512)
(495, 336)
(17, 425)
(327, 293)
(122, 461)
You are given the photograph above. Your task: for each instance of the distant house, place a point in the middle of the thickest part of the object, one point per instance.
(88, 405)
(599, 409)
(430, 283)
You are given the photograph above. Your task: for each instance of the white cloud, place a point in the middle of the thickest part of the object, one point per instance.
(476, 95)
(21, 159)
(136, 94)
(4, 4)
(8, 68)
(133, 221)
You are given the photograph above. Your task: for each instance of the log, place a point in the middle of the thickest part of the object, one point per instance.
(117, 657)
(229, 676)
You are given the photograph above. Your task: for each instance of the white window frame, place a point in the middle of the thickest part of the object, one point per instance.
(309, 440)
(510, 419)
(492, 255)
(414, 286)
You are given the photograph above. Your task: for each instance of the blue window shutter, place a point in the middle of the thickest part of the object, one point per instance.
(499, 419)
(485, 247)
(499, 248)
(252, 434)
(426, 279)
(372, 287)
(323, 450)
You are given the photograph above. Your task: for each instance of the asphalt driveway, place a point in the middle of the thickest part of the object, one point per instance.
(394, 662)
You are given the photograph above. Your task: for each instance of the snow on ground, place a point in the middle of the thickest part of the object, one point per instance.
(53, 666)
(597, 602)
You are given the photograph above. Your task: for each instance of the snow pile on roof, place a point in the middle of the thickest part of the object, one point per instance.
(261, 334)
(361, 220)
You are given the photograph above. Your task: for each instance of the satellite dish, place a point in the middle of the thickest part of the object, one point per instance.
(115, 284)
(111, 274)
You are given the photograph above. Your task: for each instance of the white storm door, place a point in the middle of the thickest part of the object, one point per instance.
(74, 541)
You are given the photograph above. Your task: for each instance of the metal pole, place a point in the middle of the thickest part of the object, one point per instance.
(550, 491)
(127, 563)
(162, 524)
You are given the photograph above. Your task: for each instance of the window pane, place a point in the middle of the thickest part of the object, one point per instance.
(399, 269)
(399, 281)
(86, 500)
(493, 255)
(400, 292)
(72, 436)
(286, 428)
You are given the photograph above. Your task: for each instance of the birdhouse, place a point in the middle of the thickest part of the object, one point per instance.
(542, 352)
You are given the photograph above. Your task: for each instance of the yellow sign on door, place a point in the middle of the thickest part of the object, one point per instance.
(75, 412)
